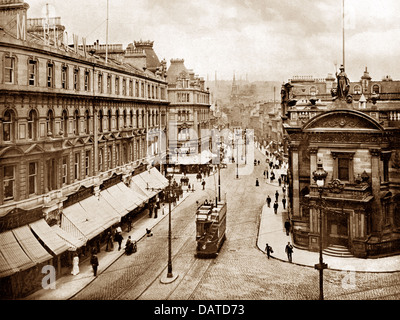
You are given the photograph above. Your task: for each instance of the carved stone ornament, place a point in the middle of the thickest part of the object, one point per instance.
(336, 186)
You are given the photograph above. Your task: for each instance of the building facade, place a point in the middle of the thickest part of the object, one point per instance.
(189, 134)
(356, 138)
(76, 131)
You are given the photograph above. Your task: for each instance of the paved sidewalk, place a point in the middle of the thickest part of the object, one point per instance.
(272, 231)
(68, 285)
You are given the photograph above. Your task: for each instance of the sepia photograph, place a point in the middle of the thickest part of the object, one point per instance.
(199, 158)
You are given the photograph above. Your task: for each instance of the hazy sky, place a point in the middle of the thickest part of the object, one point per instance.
(266, 39)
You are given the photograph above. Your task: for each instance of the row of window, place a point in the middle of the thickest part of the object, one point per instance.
(108, 158)
(356, 90)
(106, 82)
(105, 122)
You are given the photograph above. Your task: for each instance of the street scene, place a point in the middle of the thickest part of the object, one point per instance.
(269, 171)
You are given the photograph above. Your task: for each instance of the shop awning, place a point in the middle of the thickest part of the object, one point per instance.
(144, 186)
(76, 217)
(15, 258)
(49, 237)
(72, 242)
(5, 268)
(152, 180)
(101, 210)
(158, 175)
(122, 198)
(32, 247)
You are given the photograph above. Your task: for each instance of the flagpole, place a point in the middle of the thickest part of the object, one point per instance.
(107, 35)
(343, 34)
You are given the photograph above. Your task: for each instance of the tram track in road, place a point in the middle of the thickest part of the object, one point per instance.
(183, 246)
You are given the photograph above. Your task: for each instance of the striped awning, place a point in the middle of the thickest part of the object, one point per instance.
(49, 237)
(32, 247)
(75, 219)
(12, 257)
(72, 242)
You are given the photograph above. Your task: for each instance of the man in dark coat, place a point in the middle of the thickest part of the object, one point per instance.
(287, 226)
(269, 201)
(276, 205)
(269, 250)
(94, 261)
(289, 251)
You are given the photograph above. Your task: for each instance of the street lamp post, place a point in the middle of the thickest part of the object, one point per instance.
(169, 272)
(319, 177)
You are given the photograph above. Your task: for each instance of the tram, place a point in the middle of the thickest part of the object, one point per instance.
(210, 228)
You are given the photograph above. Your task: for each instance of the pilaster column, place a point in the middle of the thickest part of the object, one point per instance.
(295, 174)
(376, 186)
(313, 161)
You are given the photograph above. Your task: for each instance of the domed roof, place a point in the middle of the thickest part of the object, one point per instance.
(152, 60)
(176, 69)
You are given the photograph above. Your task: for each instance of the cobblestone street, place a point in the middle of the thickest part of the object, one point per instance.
(241, 271)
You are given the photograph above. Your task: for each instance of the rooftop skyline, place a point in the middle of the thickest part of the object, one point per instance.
(265, 40)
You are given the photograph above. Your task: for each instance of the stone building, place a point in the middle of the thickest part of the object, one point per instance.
(189, 134)
(356, 138)
(79, 136)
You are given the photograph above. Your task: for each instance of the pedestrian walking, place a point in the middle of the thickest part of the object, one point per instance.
(109, 241)
(276, 195)
(162, 208)
(150, 210)
(155, 208)
(280, 181)
(119, 238)
(287, 226)
(284, 189)
(284, 202)
(276, 205)
(269, 201)
(129, 223)
(75, 265)
(257, 183)
(289, 251)
(94, 261)
(203, 183)
(269, 250)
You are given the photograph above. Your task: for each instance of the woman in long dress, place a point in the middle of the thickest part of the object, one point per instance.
(75, 265)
